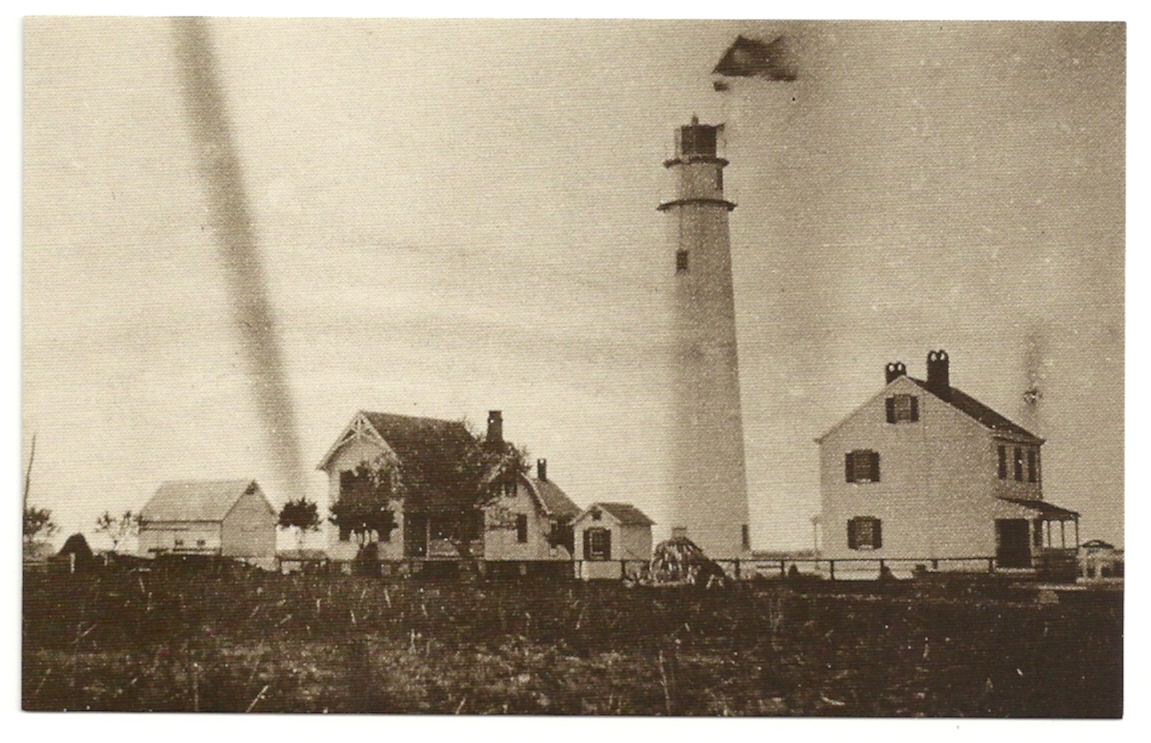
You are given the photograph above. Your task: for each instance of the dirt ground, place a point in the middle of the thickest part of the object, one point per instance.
(249, 641)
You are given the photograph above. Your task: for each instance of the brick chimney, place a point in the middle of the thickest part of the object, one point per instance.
(542, 470)
(938, 375)
(895, 370)
(495, 427)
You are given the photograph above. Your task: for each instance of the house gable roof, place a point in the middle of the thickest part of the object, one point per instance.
(961, 401)
(198, 500)
(625, 513)
(982, 414)
(552, 499)
(399, 433)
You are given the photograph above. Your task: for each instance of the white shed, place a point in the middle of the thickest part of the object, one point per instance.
(608, 536)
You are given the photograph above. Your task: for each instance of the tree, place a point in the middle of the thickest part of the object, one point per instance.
(366, 508)
(302, 515)
(449, 471)
(118, 528)
(38, 523)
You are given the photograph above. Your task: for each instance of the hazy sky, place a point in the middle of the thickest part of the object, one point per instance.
(460, 216)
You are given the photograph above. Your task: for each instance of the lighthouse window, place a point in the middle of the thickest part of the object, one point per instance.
(719, 180)
(680, 261)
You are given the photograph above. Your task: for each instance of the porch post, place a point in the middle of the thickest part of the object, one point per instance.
(1076, 532)
(1048, 525)
(1063, 534)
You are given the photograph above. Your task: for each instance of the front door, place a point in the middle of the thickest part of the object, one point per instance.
(1013, 543)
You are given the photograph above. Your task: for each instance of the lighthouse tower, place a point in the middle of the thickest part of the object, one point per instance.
(709, 483)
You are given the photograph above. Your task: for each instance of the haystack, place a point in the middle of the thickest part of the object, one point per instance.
(680, 561)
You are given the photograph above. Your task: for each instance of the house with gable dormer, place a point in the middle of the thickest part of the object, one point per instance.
(530, 521)
(924, 471)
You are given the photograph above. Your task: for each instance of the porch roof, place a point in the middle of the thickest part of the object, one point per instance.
(1048, 511)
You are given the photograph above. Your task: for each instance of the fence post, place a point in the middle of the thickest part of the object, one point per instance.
(831, 567)
(782, 569)
(991, 564)
(623, 569)
(737, 568)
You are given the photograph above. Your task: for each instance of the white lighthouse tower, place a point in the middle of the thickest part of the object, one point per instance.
(709, 482)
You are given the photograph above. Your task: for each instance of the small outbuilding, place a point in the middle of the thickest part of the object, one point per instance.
(609, 536)
(230, 518)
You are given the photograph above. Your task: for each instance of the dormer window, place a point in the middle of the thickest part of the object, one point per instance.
(902, 409)
(680, 261)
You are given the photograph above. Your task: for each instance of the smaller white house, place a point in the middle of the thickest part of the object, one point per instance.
(231, 518)
(607, 536)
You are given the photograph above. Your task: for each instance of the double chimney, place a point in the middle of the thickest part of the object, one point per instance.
(938, 373)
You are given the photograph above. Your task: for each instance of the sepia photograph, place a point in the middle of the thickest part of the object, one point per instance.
(573, 367)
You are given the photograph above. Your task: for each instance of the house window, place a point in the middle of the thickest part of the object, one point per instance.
(862, 465)
(680, 261)
(902, 409)
(1032, 466)
(596, 515)
(1002, 462)
(200, 542)
(179, 542)
(1019, 464)
(864, 533)
(597, 544)
(522, 528)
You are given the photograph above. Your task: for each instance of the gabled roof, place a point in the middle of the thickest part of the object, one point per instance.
(197, 500)
(962, 402)
(399, 432)
(984, 415)
(554, 500)
(625, 513)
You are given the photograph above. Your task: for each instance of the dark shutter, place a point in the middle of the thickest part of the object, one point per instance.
(521, 528)
(876, 533)
(914, 408)
(606, 544)
(587, 544)
(890, 409)
(874, 466)
(851, 542)
(1031, 466)
(849, 469)
(1002, 462)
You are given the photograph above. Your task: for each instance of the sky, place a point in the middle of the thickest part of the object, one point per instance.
(459, 216)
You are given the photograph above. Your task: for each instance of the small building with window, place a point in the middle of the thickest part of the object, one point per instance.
(923, 471)
(230, 518)
(609, 535)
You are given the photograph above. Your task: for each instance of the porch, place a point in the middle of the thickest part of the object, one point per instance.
(1043, 537)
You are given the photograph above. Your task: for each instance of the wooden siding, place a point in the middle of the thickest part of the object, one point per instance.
(249, 529)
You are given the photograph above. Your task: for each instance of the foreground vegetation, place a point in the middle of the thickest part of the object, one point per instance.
(249, 641)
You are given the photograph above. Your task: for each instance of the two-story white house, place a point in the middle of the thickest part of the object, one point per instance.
(923, 471)
(531, 521)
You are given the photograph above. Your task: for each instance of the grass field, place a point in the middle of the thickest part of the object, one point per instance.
(270, 643)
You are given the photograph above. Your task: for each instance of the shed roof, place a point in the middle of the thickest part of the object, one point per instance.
(1049, 510)
(197, 500)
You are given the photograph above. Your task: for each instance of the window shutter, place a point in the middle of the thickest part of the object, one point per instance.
(850, 471)
(914, 408)
(587, 544)
(851, 543)
(891, 410)
(874, 466)
(607, 544)
(876, 533)
(1002, 462)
